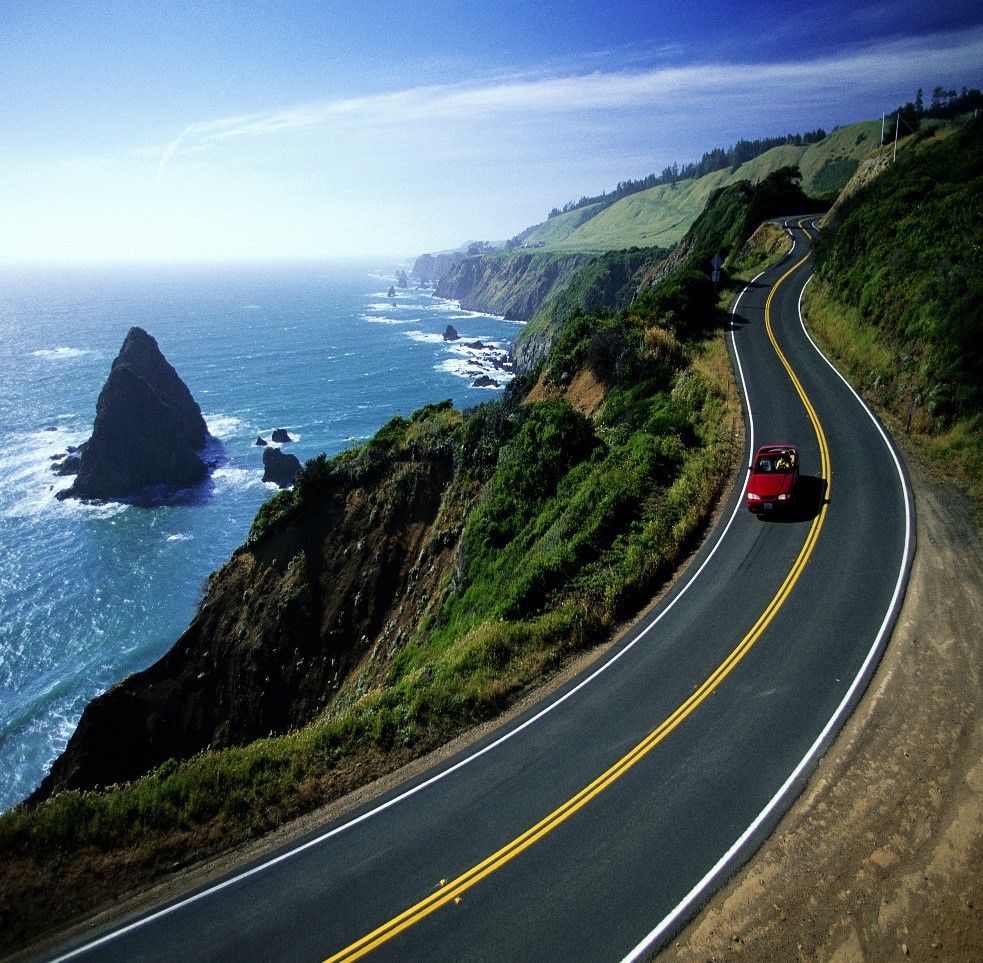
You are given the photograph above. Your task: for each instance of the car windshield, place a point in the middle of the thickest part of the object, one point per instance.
(779, 463)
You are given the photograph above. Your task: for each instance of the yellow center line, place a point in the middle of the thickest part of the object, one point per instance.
(452, 890)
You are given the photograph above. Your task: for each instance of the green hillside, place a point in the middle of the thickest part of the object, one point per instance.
(662, 215)
(899, 297)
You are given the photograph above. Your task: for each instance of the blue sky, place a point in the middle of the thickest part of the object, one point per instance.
(160, 130)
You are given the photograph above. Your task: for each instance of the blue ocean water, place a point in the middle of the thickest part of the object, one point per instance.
(92, 593)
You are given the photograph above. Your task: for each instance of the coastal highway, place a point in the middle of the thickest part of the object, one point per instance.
(594, 825)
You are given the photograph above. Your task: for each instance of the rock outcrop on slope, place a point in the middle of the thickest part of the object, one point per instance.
(148, 431)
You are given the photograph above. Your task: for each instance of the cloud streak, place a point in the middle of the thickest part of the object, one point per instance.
(887, 70)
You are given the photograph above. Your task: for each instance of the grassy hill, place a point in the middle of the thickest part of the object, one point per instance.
(662, 215)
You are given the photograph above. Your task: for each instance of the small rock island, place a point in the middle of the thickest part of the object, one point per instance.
(280, 468)
(148, 431)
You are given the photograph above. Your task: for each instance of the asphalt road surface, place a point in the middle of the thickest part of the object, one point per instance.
(594, 826)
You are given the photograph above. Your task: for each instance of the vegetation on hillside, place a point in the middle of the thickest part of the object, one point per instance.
(718, 159)
(734, 212)
(615, 279)
(608, 282)
(900, 274)
(565, 522)
(662, 214)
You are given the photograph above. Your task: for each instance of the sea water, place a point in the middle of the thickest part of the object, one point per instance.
(90, 593)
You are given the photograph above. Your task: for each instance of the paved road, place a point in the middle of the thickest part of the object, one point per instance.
(594, 827)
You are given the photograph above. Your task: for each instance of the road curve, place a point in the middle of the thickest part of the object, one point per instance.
(596, 824)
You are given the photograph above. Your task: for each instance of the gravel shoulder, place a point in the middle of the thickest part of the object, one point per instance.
(881, 857)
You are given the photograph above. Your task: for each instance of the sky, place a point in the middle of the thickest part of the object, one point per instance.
(217, 130)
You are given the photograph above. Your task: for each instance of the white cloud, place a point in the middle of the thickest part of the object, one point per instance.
(886, 70)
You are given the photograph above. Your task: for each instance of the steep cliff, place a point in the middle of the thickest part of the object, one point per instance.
(286, 626)
(432, 267)
(148, 429)
(512, 285)
(607, 282)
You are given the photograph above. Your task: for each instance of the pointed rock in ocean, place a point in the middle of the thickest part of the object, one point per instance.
(147, 432)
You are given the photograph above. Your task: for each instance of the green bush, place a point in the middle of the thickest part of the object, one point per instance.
(684, 303)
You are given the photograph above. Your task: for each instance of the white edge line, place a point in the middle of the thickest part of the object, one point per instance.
(698, 891)
(375, 811)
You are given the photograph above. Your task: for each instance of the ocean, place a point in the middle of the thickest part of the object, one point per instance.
(92, 593)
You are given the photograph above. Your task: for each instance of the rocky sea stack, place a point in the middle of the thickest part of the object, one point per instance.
(148, 430)
(280, 468)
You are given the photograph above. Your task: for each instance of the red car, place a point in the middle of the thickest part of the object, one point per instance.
(774, 478)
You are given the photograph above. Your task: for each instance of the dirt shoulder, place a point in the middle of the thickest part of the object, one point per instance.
(881, 857)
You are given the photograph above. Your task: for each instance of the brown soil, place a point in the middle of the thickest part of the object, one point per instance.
(881, 857)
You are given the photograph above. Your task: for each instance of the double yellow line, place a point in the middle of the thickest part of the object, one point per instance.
(450, 891)
(813, 417)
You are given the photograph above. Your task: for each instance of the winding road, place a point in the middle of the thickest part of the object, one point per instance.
(594, 826)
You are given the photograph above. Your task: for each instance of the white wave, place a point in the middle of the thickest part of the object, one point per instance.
(230, 478)
(381, 319)
(466, 344)
(425, 337)
(453, 310)
(25, 464)
(224, 426)
(471, 369)
(31, 503)
(61, 353)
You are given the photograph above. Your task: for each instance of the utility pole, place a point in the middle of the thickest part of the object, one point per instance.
(897, 130)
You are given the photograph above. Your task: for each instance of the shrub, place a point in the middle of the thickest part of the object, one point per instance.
(684, 303)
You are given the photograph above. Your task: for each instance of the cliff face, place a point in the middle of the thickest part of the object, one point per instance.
(147, 431)
(513, 286)
(291, 623)
(432, 267)
(608, 281)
